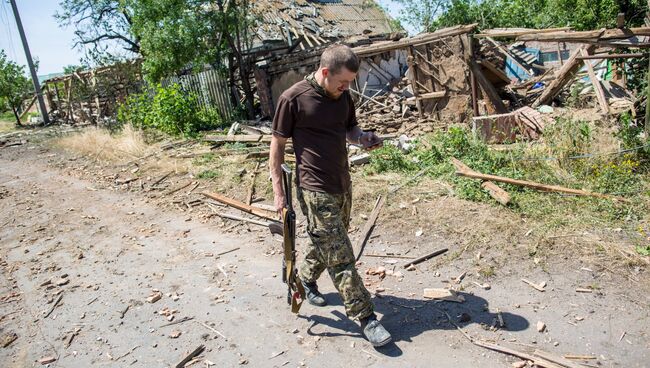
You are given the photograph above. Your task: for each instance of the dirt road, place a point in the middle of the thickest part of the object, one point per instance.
(101, 253)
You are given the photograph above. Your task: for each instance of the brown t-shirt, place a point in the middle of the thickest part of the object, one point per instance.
(317, 125)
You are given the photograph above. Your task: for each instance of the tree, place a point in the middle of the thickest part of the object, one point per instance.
(102, 27)
(73, 68)
(14, 85)
(578, 14)
(180, 34)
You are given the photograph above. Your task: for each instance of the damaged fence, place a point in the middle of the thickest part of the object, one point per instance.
(210, 88)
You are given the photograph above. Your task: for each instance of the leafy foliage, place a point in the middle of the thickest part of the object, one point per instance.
(176, 34)
(13, 85)
(168, 109)
(102, 28)
(579, 14)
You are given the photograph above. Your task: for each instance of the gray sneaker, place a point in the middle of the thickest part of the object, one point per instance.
(374, 331)
(313, 295)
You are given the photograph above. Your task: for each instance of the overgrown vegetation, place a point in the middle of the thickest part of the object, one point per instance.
(14, 85)
(569, 155)
(170, 110)
(579, 14)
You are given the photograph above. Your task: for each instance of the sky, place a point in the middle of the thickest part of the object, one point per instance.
(393, 9)
(51, 44)
(48, 43)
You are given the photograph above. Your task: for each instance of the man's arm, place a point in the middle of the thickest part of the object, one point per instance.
(276, 159)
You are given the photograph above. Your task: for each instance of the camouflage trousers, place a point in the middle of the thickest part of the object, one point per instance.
(328, 218)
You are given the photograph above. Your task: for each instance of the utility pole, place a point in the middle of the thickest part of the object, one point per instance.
(30, 63)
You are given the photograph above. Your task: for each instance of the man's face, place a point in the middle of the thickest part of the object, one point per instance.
(337, 83)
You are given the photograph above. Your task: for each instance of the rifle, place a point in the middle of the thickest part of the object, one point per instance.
(295, 290)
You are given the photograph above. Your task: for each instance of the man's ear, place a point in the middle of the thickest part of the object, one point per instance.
(325, 72)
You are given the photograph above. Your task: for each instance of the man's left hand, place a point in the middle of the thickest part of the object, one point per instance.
(370, 141)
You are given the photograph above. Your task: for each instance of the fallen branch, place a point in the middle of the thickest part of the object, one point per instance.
(184, 319)
(227, 251)
(58, 300)
(370, 224)
(426, 257)
(501, 349)
(529, 184)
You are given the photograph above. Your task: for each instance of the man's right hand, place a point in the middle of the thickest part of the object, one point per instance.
(279, 201)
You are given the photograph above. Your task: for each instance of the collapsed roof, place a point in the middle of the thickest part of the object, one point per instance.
(316, 22)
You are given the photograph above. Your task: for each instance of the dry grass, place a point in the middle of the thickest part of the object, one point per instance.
(6, 125)
(100, 144)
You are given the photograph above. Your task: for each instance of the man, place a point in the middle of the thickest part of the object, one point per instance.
(318, 114)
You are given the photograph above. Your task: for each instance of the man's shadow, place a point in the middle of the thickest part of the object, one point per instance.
(407, 318)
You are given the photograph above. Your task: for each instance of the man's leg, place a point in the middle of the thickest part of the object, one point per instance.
(327, 218)
(312, 265)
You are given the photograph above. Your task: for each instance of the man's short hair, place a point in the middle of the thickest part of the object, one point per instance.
(336, 57)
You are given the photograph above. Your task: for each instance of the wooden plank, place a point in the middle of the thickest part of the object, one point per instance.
(515, 32)
(251, 187)
(496, 192)
(488, 88)
(381, 47)
(494, 70)
(562, 77)
(244, 219)
(242, 206)
(249, 138)
(367, 228)
(29, 106)
(443, 294)
(598, 88)
(611, 56)
(410, 60)
(430, 95)
(556, 359)
(534, 185)
(587, 36)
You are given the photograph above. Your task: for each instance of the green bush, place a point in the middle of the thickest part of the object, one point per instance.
(170, 110)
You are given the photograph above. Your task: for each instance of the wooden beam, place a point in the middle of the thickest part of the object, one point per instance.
(588, 36)
(495, 191)
(242, 206)
(529, 184)
(563, 76)
(410, 60)
(367, 228)
(430, 95)
(598, 88)
(381, 47)
(515, 32)
(611, 56)
(494, 70)
(487, 87)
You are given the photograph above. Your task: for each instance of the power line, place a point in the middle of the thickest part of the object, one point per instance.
(4, 16)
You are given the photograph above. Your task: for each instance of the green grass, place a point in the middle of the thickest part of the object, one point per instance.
(7, 121)
(624, 175)
(208, 174)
